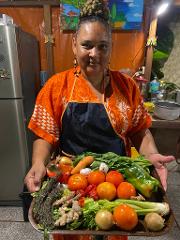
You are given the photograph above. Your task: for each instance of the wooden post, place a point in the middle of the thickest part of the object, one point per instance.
(49, 41)
(150, 49)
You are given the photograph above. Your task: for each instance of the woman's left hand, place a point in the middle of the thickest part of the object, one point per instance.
(159, 161)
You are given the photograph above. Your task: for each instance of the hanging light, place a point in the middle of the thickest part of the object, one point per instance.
(163, 7)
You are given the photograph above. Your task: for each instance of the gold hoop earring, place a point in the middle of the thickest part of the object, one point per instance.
(76, 72)
(75, 63)
(107, 70)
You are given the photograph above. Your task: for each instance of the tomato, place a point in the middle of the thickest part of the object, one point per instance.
(63, 178)
(96, 177)
(125, 217)
(53, 170)
(114, 177)
(106, 190)
(65, 168)
(77, 181)
(126, 190)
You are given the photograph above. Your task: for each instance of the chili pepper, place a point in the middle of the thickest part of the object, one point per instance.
(81, 192)
(93, 194)
(81, 201)
(63, 178)
(89, 188)
(142, 180)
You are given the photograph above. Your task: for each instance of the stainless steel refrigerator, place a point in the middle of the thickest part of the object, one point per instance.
(19, 74)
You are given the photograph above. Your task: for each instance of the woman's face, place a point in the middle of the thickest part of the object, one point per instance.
(92, 46)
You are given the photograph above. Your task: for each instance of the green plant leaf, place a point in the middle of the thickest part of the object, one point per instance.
(160, 55)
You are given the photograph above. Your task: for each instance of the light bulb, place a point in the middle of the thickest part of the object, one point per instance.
(162, 8)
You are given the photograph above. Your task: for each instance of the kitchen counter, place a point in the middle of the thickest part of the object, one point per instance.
(168, 124)
(167, 136)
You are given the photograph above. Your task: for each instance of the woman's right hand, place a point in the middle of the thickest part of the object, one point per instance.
(34, 177)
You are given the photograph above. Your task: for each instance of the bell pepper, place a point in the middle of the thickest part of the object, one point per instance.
(141, 180)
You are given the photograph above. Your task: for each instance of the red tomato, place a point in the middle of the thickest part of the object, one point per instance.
(114, 177)
(126, 190)
(53, 170)
(77, 181)
(96, 177)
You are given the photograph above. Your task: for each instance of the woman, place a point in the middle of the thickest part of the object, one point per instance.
(90, 108)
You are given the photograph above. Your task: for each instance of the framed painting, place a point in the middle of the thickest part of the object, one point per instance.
(125, 14)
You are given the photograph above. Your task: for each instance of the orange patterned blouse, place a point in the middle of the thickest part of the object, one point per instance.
(124, 105)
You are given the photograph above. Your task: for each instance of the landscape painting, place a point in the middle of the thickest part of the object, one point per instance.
(125, 14)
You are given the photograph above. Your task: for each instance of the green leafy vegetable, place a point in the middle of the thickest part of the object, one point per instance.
(113, 160)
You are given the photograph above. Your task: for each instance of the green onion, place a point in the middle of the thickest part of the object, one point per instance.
(145, 207)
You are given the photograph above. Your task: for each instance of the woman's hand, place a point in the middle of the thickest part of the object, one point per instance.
(34, 177)
(144, 142)
(159, 161)
(41, 153)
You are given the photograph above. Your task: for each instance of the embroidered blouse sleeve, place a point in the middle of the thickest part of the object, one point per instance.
(45, 121)
(140, 117)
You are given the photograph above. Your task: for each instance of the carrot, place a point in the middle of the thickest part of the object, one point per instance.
(86, 161)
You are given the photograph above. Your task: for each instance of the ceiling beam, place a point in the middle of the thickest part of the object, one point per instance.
(29, 3)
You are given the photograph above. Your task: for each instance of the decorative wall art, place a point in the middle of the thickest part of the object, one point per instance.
(125, 14)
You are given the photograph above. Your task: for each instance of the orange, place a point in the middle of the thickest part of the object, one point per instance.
(114, 177)
(106, 190)
(77, 181)
(96, 177)
(125, 217)
(126, 190)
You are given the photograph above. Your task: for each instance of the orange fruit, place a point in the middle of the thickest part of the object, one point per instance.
(77, 181)
(125, 217)
(126, 190)
(114, 177)
(106, 190)
(96, 177)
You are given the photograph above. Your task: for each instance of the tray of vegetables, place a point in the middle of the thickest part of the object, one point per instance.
(101, 194)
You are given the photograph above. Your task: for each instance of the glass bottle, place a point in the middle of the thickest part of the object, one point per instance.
(154, 89)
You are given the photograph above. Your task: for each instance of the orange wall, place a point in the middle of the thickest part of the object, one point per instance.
(128, 46)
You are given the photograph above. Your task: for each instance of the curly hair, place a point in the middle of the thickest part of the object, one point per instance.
(93, 11)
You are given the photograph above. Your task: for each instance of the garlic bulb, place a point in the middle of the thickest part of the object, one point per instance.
(85, 171)
(103, 167)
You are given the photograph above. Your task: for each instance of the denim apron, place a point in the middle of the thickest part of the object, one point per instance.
(87, 127)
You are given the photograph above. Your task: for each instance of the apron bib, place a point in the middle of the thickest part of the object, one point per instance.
(86, 127)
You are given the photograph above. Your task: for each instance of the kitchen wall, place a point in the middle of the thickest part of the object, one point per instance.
(128, 46)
